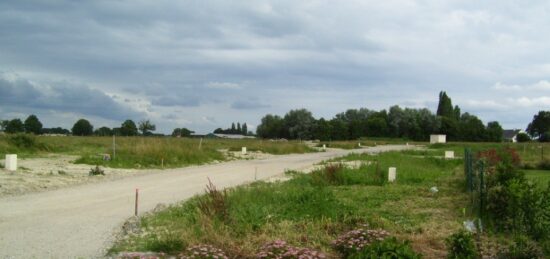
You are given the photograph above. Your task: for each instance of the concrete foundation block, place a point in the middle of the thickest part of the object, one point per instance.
(11, 162)
(392, 174)
(243, 150)
(449, 154)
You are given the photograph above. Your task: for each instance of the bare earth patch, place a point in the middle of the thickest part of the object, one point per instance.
(53, 172)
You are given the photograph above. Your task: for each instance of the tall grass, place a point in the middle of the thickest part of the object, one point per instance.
(140, 152)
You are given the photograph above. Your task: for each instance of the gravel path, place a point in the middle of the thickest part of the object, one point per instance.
(79, 221)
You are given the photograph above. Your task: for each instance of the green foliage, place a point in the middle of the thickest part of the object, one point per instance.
(182, 132)
(389, 248)
(544, 164)
(146, 127)
(523, 137)
(168, 244)
(461, 245)
(82, 128)
(15, 126)
(103, 131)
(494, 132)
(521, 248)
(540, 124)
(298, 124)
(128, 128)
(33, 125)
(445, 106)
(25, 141)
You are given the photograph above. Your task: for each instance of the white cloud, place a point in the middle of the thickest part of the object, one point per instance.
(223, 85)
(542, 85)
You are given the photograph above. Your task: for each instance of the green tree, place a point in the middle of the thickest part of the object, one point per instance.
(3, 124)
(471, 128)
(539, 125)
(15, 126)
(339, 129)
(128, 128)
(103, 131)
(82, 128)
(494, 132)
(271, 126)
(244, 129)
(523, 137)
(33, 125)
(182, 132)
(239, 130)
(321, 130)
(298, 124)
(445, 106)
(146, 127)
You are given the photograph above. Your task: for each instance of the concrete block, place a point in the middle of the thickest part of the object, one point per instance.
(449, 154)
(243, 150)
(437, 138)
(11, 162)
(324, 147)
(392, 174)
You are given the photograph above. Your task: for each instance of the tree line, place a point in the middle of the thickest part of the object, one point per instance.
(396, 122)
(235, 130)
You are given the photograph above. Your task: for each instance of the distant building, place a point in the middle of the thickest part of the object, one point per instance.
(510, 135)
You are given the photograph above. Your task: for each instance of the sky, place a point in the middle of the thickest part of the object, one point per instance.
(204, 64)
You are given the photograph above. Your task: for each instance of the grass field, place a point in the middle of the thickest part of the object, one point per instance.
(141, 152)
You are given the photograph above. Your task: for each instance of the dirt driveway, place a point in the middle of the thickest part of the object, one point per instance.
(79, 221)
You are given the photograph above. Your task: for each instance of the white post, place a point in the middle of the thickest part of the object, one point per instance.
(11, 162)
(243, 150)
(359, 144)
(324, 147)
(392, 174)
(200, 144)
(449, 154)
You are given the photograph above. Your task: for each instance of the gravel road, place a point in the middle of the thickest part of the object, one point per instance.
(79, 221)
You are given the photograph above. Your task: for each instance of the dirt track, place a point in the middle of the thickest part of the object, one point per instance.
(79, 221)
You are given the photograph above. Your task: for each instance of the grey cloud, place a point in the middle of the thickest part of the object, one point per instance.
(176, 101)
(22, 93)
(248, 105)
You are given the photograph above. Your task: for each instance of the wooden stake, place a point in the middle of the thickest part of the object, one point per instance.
(136, 207)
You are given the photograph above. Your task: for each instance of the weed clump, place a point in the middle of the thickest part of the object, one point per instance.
(461, 245)
(96, 171)
(214, 203)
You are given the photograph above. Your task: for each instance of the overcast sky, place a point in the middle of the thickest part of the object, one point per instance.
(203, 64)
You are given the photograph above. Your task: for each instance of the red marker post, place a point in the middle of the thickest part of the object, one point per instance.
(137, 196)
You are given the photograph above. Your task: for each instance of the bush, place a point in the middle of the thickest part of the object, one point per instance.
(389, 248)
(461, 245)
(521, 248)
(357, 239)
(26, 141)
(279, 249)
(544, 164)
(96, 171)
(523, 137)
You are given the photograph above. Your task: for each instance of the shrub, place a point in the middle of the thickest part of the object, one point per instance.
(357, 239)
(544, 164)
(461, 245)
(494, 157)
(279, 249)
(96, 171)
(521, 248)
(523, 137)
(389, 248)
(26, 141)
(203, 252)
